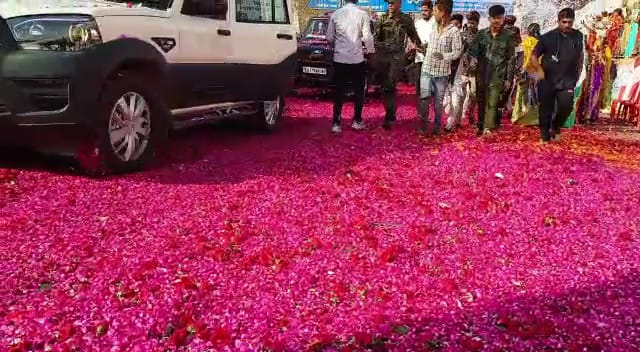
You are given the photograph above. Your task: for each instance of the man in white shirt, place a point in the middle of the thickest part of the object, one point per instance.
(425, 27)
(348, 28)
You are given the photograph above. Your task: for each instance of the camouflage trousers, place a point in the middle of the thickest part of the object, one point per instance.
(389, 68)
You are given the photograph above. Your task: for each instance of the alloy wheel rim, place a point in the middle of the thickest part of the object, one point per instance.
(271, 109)
(130, 126)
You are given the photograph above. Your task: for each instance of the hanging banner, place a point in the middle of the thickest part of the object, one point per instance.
(324, 4)
(407, 6)
(410, 6)
(413, 6)
(463, 6)
(374, 5)
(482, 6)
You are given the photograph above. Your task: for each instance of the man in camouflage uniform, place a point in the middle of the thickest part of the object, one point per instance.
(390, 36)
(494, 49)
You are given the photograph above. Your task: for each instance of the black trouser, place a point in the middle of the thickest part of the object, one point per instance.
(388, 67)
(553, 100)
(417, 80)
(344, 75)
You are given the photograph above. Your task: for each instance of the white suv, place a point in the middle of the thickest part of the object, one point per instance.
(117, 75)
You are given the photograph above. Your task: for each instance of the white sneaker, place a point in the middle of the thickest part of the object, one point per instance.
(358, 126)
(487, 132)
(336, 129)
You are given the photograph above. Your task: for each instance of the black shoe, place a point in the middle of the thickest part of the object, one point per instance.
(436, 133)
(448, 130)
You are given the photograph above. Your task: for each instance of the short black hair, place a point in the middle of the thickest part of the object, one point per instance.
(428, 4)
(457, 17)
(445, 6)
(473, 16)
(534, 30)
(496, 10)
(510, 19)
(567, 13)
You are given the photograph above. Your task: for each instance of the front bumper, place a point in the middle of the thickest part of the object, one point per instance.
(45, 97)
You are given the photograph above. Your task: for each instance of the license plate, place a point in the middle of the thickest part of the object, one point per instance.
(314, 70)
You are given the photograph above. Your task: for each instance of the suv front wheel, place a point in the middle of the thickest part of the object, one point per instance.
(132, 124)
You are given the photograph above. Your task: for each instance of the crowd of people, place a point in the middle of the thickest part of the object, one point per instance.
(462, 68)
(609, 36)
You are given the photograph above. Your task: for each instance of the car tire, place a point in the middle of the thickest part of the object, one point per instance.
(270, 113)
(116, 126)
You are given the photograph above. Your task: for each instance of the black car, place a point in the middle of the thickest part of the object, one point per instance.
(315, 57)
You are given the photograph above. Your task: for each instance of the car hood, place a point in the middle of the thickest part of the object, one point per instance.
(96, 8)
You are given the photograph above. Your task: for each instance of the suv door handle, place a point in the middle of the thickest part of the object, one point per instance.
(224, 32)
(284, 36)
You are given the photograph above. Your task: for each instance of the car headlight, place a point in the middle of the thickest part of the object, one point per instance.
(55, 32)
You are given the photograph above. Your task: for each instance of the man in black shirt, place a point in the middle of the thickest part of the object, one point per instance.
(561, 51)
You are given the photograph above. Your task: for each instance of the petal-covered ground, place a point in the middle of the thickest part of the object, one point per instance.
(302, 240)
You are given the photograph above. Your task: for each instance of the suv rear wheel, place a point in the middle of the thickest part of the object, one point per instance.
(132, 124)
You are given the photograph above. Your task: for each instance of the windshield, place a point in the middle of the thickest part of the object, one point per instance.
(316, 29)
(154, 4)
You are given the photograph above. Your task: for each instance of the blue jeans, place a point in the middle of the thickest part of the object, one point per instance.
(436, 88)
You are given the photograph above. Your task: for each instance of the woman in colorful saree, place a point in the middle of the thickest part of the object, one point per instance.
(605, 95)
(630, 43)
(615, 29)
(587, 108)
(525, 109)
(597, 66)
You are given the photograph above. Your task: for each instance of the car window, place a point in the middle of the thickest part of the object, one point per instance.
(262, 11)
(154, 4)
(316, 29)
(214, 9)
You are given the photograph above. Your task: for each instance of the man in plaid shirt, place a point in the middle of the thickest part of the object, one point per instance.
(494, 49)
(445, 46)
